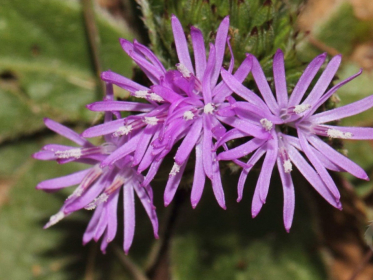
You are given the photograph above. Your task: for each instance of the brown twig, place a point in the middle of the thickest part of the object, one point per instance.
(132, 268)
(94, 40)
(364, 263)
(322, 46)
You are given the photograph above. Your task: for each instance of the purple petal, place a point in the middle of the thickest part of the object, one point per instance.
(166, 93)
(172, 184)
(151, 172)
(199, 51)
(289, 196)
(189, 142)
(324, 175)
(91, 228)
(143, 143)
(358, 133)
(337, 158)
(312, 177)
(263, 86)
(246, 127)
(280, 79)
(326, 96)
(101, 226)
(267, 167)
(120, 81)
(324, 80)
(344, 111)
(148, 206)
(63, 182)
(120, 106)
(44, 155)
(66, 132)
(207, 146)
(217, 186)
(241, 150)
(220, 41)
(122, 151)
(206, 81)
(181, 44)
(306, 79)
(241, 182)
(111, 215)
(129, 217)
(242, 91)
(149, 55)
(230, 135)
(199, 177)
(103, 129)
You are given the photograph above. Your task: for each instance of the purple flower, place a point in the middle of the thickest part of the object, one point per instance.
(192, 98)
(277, 115)
(98, 187)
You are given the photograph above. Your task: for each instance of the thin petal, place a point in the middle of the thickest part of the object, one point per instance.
(143, 143)
(358, 133)
(263, 86)
(199, 177)
(103, 129)
(289, 196)
(181, 44)
(172, 185)
(199, 51)
(207, 147)
(324, 175)
(306, 79)
(217, 186)
(66, 132)
(344, 111)
(241, 150)
(111, 215)
(280, 79)
(312, 177)
(337, 158)
(129, 217)
(63, 182)
(91, 228)
(120, 81)
(149, 55)
(324, 80)
(189, 142)
(206, 81)
(220, 41)
(120, 106)
(241, 182)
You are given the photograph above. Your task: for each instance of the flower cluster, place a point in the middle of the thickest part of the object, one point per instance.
(203, 107)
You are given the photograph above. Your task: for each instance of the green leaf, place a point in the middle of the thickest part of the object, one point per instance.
(46, 67)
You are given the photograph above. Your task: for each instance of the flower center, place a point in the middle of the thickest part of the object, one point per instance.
(208, 108)
(267, 125)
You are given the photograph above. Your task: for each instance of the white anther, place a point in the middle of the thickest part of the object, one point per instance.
(175, 169)
(72, 153)
(123, 130)
(151, 120)
(188, 115)
(141, 94)
(101, 199)
(183, 70)
(209, 108)
(55, 219)
(299, 109)
(288, 167)
(155, 97)
(266, 124)
(334, 133)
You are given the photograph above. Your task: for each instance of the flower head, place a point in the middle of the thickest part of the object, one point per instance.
(294, 112)
(98, 187)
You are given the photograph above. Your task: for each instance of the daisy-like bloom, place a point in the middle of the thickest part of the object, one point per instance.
(193, 96)
(283, 113)
(98, 187)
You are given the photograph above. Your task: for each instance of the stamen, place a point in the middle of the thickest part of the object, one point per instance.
(101, 199)
(288, 166)
(155, 97)
(55, 219)
(123, 130)
(266, 124)
(334, 133)
(141, 94)
(299, 109)
(183, 70)
(175, 169)
(151, 120)
(188, 115)
(209, 108)
(72, 153)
